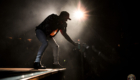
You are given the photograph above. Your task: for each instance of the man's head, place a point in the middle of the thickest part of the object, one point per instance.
(64, 16)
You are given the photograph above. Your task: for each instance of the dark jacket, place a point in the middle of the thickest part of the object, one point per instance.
(50, 24)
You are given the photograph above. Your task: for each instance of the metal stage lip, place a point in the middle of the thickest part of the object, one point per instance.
(26, 73)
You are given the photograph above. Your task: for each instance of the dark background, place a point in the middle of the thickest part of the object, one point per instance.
(115, 23)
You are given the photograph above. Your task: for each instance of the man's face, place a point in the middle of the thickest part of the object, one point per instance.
(64, 18)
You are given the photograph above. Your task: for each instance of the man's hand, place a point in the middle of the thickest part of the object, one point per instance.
(75, 44)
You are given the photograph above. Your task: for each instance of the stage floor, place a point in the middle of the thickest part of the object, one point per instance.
(25, 73)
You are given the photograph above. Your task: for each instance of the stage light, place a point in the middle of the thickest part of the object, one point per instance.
(19, 38)
(10, 38)
(118, 45)
(29, 40)
(79, 14)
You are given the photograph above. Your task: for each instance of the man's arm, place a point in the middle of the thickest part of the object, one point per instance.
(63, 32)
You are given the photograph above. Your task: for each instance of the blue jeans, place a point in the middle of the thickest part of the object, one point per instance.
(45, 40)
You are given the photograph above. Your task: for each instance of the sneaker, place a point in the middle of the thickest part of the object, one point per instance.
(55, 66)
(37, 65)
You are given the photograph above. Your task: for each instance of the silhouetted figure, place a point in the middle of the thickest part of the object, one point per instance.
(45, 33)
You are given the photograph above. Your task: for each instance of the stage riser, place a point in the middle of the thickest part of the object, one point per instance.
(31, 74)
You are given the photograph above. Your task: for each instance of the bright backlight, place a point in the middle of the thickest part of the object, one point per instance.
(79, 14)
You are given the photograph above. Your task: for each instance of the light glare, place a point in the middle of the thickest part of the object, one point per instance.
(79, 14)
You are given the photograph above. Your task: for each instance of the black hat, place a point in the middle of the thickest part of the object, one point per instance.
(65, 13)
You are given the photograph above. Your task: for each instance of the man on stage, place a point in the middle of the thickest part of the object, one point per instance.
(45, 33)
